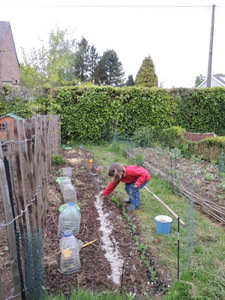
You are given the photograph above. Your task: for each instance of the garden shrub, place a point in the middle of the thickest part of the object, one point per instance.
(144, 136)
(210, 148)
(173, 136)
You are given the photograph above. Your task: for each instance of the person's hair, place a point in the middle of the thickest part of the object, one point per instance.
(114, 171)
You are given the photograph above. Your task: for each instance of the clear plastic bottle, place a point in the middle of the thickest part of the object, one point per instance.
(67, 172)
(70, 258)
(63, 182)
(69, 219)
(69, 193)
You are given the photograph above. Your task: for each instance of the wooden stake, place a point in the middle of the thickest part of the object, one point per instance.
(166, 206)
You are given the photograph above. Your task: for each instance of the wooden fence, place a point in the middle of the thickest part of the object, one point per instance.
(28, 155)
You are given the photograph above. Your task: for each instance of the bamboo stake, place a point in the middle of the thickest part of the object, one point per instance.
(88, 243)
(166, 206)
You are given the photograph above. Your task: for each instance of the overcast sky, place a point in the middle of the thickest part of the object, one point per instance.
(176, 34)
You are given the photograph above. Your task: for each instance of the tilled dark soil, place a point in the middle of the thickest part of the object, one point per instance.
(96, 270)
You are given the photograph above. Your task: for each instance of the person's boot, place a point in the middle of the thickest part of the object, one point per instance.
(131, 208)
(126, 200)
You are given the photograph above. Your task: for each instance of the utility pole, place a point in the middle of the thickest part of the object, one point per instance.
(211, 48)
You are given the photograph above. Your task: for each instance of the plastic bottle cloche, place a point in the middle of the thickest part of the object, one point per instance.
(70, 248)
(69, 219)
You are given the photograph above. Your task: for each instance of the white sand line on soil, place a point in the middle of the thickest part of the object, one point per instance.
(109, 243)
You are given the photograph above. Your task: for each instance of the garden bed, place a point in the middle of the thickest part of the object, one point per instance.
(194, 178)
(111, 263)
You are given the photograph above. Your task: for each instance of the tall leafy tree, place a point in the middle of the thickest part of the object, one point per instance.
(52, 66)
(111, 69)
(60, 57)
(146, 75)
(33, 69)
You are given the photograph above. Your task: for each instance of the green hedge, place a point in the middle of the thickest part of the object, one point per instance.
(200, 110)
(95, 113)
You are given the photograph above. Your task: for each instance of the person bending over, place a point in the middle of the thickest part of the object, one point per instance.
(134, 177)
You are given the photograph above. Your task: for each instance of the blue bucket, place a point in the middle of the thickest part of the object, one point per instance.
(163, 224)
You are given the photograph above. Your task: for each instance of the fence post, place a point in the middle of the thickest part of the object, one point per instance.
(9, 228)
(221, 164)
(19, 166)
(1, 292)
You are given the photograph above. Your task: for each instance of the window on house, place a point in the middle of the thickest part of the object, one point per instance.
(2, 127)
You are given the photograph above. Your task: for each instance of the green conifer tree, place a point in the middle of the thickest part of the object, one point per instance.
(130, 81)
(146, 75)
(111, 69)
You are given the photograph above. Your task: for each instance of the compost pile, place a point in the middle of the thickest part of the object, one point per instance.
(110, 263)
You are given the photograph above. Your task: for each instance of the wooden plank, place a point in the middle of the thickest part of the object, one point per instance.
(1, 290)
(39, 166)
(48, 143)
(14, 183)
(58, 134)
(9, 227)
(20, 176)
(50, 134)
(45, 170)
(30, 179)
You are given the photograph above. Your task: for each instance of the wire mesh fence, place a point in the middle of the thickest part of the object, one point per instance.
(24, 167)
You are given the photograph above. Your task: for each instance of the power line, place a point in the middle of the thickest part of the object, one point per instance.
(113, 6)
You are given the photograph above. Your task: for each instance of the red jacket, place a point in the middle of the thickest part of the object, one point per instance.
(134, 173)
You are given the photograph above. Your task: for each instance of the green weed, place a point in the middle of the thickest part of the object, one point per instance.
(58, 159)
(139, 159)
(209, 177)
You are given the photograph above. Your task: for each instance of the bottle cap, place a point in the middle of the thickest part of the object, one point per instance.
(71, 203)
(67, 233)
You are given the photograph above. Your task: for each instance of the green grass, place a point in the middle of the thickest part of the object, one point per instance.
(202, 243)
(89, 295)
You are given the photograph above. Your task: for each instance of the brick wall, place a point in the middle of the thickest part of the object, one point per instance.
(3, 134)
(9, 72)
(195, 137)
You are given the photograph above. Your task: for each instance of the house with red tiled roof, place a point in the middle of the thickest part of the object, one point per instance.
(9, 64)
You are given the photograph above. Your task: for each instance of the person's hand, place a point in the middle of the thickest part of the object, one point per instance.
(101, 194)
(135, 186)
